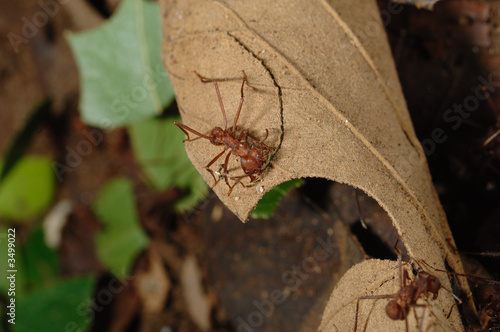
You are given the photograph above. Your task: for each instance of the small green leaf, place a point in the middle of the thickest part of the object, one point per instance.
(266, 206)
(158, 148)
(123, 237)
(35, 263)
(121, 72)
(41, 262)
(24, 137)
(28, 189)
(63, 306)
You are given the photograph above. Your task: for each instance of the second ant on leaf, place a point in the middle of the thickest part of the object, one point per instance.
(251, 155)
(486, 295)
(424, 286)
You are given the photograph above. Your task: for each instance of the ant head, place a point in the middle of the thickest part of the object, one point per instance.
(433, 285)
(394, 310)
(217, 131)
(217, 136)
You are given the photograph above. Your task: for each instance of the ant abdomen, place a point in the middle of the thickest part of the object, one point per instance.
(252, 163)
(394, 310)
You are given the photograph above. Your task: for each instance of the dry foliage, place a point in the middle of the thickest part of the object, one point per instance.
(322, 81)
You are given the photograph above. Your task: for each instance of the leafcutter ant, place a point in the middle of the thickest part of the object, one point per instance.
(251, 154)
(424, 286)
(486, 295)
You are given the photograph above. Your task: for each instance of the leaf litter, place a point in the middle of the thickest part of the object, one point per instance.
(322, 81)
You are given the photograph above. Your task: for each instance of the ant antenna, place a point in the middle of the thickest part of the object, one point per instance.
(204, 80)
(241, 101)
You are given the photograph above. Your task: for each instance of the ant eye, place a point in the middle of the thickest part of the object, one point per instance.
(246, 172)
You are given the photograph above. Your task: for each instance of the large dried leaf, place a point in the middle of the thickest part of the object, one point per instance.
(323, 82)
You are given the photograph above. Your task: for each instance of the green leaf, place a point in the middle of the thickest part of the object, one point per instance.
(121, 72)
(266, 206)
(41, 262)
(35, 263)
(28, 189)
(63, 306)
(158, 148)
(24, 137)
(123, 237)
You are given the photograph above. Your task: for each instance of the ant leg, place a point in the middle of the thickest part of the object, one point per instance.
(225, 172)
(421, 324)
(267, 134)
(264, 146)
(210, 164)
(232, 177)
(207, 80)
(221, 104)
(369, 297)
(243, 136)
(185, 129)
(356, 318)
(252, 178)
(400, 267)
(261, 142)
(406, 277)
(241, 101)
(422, 318)
(403, 277)
(238, 180)
(258, 140)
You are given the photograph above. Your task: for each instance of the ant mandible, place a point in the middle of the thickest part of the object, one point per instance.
(251, 155)
(423, 286)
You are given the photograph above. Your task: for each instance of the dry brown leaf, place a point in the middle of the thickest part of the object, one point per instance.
(198, 304)
(153, 285)
(322, 80)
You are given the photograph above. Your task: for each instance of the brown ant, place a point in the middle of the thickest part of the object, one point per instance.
(423, 286)
(251, 155)
(486, 295)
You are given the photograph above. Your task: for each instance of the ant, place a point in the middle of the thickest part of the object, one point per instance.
(423, 286)
(486, 295)
(251, 155)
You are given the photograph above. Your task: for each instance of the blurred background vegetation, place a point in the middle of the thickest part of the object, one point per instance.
(115, 229)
